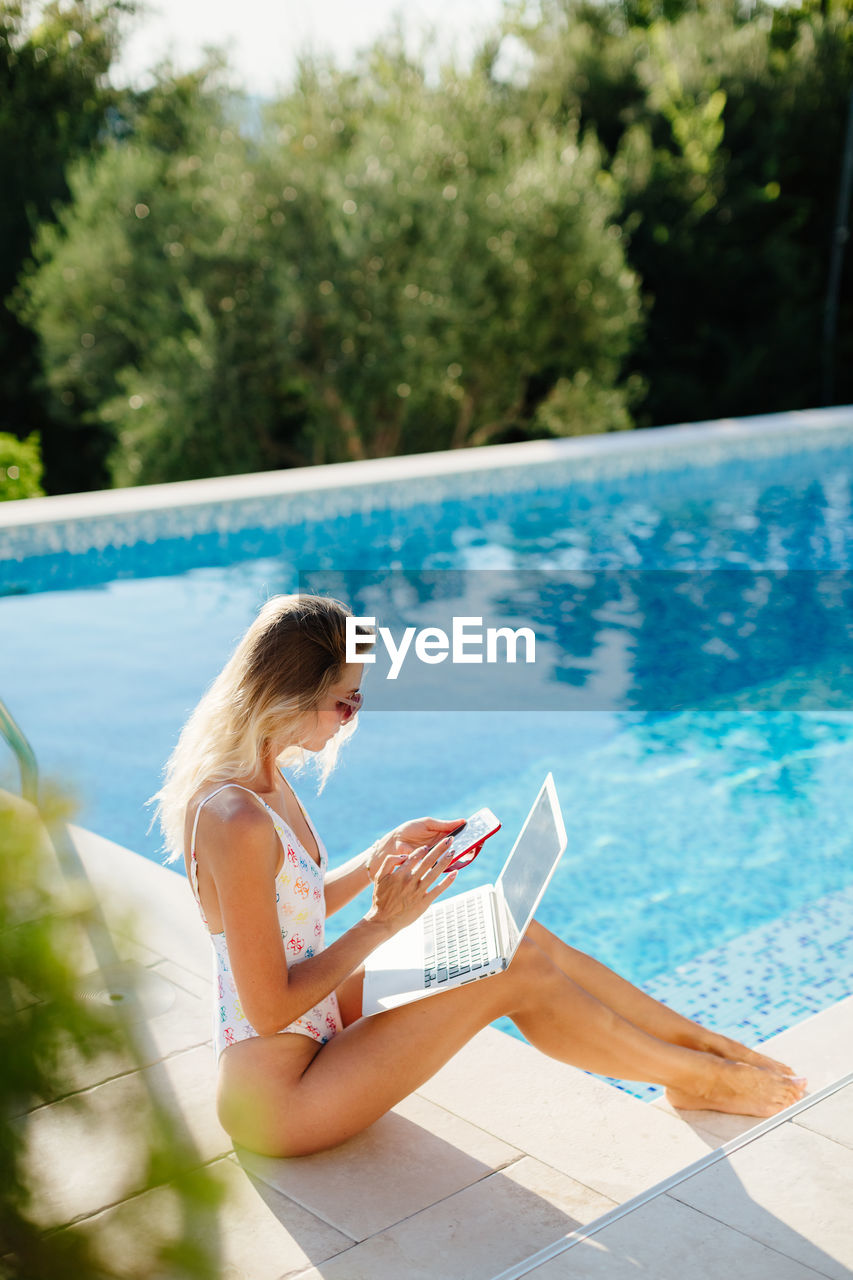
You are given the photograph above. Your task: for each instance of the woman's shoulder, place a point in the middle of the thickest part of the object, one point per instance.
(226, 809)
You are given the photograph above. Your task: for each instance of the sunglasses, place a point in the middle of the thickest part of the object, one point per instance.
(350, 706)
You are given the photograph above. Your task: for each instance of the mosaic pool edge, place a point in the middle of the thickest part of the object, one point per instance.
(766, 980)
(292, 498)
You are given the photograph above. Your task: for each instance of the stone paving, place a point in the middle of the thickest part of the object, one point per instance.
(501, 1153)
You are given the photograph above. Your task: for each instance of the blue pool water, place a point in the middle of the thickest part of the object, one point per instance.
(703, 762)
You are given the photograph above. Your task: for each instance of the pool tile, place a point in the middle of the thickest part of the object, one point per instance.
(59, 542)
(416, 1155)
(791, 1190)
(475, 1233)
(833, 1118)
(83, 1158)
(796, 967)
(162, 1019)
(174, 931)
(255, 1234)
(667, 1240)
(819, 1047)
(571, 1121)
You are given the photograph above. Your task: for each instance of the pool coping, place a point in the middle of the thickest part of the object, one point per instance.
(537, 1263)
(636, 448)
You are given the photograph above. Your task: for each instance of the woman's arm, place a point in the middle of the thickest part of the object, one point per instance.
(346, 882)
(240, 854)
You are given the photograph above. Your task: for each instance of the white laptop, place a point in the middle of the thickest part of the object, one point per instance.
(475, 933)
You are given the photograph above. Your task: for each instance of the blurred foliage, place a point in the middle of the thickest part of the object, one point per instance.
(54, 106)
(20, 466)
(631, 225)
(47, 1029)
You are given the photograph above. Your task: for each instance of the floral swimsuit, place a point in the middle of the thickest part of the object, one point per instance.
(301, 907)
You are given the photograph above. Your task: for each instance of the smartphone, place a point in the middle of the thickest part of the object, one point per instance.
(469, 839)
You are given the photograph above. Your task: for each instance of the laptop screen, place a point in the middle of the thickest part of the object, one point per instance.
(537, 851)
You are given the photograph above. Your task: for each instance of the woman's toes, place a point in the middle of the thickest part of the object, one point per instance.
(743, 1089)
(740, 1053)
(769, 1064)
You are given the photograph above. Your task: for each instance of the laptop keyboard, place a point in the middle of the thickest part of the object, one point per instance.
(455, 939)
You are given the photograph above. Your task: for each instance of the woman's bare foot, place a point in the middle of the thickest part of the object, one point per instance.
(723, 1047)
(740, 1089)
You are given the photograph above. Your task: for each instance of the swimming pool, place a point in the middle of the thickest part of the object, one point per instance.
(707, 833)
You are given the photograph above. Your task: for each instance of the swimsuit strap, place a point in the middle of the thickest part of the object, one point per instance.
(321, 848)
(193, 858)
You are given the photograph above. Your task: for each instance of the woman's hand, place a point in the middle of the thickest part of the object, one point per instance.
(403, 840)
(404, 888)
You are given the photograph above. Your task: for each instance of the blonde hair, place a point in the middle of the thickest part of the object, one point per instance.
(292, 654)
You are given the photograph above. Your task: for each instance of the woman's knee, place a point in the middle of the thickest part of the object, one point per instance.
(531, 955)
(537, 933)
(531, 971)
(251, 1121)
(554, 946)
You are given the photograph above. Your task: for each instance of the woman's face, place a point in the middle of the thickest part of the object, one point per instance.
(332, 712)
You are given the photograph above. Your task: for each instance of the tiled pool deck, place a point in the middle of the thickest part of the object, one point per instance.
(501, 1154)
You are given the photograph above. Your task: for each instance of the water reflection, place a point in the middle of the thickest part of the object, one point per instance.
(648, 640)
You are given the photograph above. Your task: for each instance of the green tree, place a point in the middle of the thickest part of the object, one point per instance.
(724, 127)
(394, 263)
(20, 467)
(459, 264)
(390, 266)
(55, 104)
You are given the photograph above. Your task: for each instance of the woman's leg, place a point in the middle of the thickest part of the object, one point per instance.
(280, 1104)
(642, 1009)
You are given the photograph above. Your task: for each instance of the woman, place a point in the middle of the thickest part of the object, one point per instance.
(299, 1068)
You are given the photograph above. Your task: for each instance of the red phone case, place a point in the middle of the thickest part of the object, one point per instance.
(467, 853)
